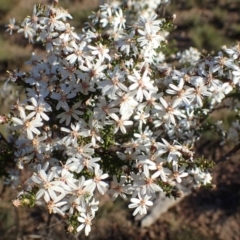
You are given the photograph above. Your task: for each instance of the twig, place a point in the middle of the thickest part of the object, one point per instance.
(229, 154)
(48, 225)
(17, 222)
(3, 190)
(4, 139)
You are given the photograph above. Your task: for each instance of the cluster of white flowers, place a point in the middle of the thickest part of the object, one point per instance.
(190, 56)
(138, 7)
(102, 114)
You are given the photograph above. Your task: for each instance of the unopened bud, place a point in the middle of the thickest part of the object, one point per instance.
(16, 203)
(55, 127)
(3, 119)
(70, 228)
(46, 128)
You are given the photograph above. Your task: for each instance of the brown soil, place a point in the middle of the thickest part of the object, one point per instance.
(205, 214)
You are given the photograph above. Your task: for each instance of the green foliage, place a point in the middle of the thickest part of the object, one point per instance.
(6, 156)
(110, 162)
(207, 37)
(204, 163)
(167, 188)
(73, 223)
(28, 200)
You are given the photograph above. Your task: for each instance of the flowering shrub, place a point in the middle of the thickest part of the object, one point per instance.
(107, 112)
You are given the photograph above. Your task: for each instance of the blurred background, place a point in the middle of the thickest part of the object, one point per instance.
(205, 214)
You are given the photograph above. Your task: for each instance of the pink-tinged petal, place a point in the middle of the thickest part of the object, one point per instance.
(136, 211)
(43, 175)
(165, 142)
(44, 116)
(174, 88)
(17, 120)
(178, 179)
(34, 130)
(123, 87)
(139, 96)
(87, 230)
(132, 205)
(133, 87)
(34, 101)
(57, 188)
(162, 151)
(80, 227)
(60, 197)
(149, 203)
(50, 176)
(128, 123)
(105, 185)
(101, 189)
(175, 104)
(172, 119)
(68, 120)
(30, 107)
(75, 116)
(122, 181)
(63, 118)
(141, 32)
(158, 107)
(135, 200)
(46, 197)
(36, 123)
(184, 174)
(52, 194)
(170, 91)
(105, 175)
(40, 193)
(83, 215)
(156, 174)
(114, 116)
(199, 101)
(81, 219)
(91, 187)
(36, 179)
(164, 103)
(123, 129)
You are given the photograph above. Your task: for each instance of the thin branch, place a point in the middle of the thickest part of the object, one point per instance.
(17, 222)
(3, 190)
(229, 154)
(4, 139)
(48, 225)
